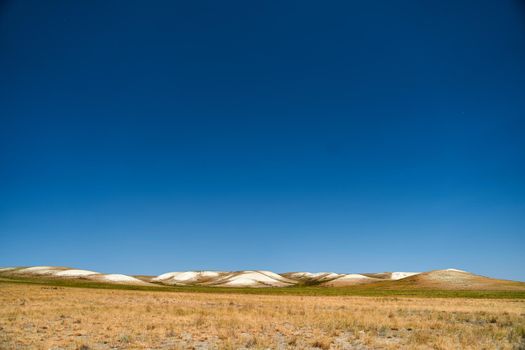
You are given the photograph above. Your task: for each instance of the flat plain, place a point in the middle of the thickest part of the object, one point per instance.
(47, 316)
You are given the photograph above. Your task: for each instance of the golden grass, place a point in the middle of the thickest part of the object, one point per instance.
(44, 317)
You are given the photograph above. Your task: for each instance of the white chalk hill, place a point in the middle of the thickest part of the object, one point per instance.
(68, 273)
(249, 278)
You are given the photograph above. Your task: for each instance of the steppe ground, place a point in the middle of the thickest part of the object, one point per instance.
(51, 317)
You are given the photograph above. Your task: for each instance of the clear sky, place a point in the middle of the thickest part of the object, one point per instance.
(347, 136)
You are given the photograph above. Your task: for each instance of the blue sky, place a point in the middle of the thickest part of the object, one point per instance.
(345, 136)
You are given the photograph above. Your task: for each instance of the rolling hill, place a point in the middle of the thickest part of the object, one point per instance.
(57, 272)
(453, 279)
(449, 279)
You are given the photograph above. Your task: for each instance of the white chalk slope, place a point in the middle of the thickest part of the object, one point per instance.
(259, 278)
(64, 272)
(187, 277)
(262, 278)
(226, 279)
(249, 278)
(317, 276)
(344, 279)
(401, 275)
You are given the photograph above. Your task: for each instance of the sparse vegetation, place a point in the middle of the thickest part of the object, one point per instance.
(54, 317)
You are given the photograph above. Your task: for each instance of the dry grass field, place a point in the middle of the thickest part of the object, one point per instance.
(54, 317)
